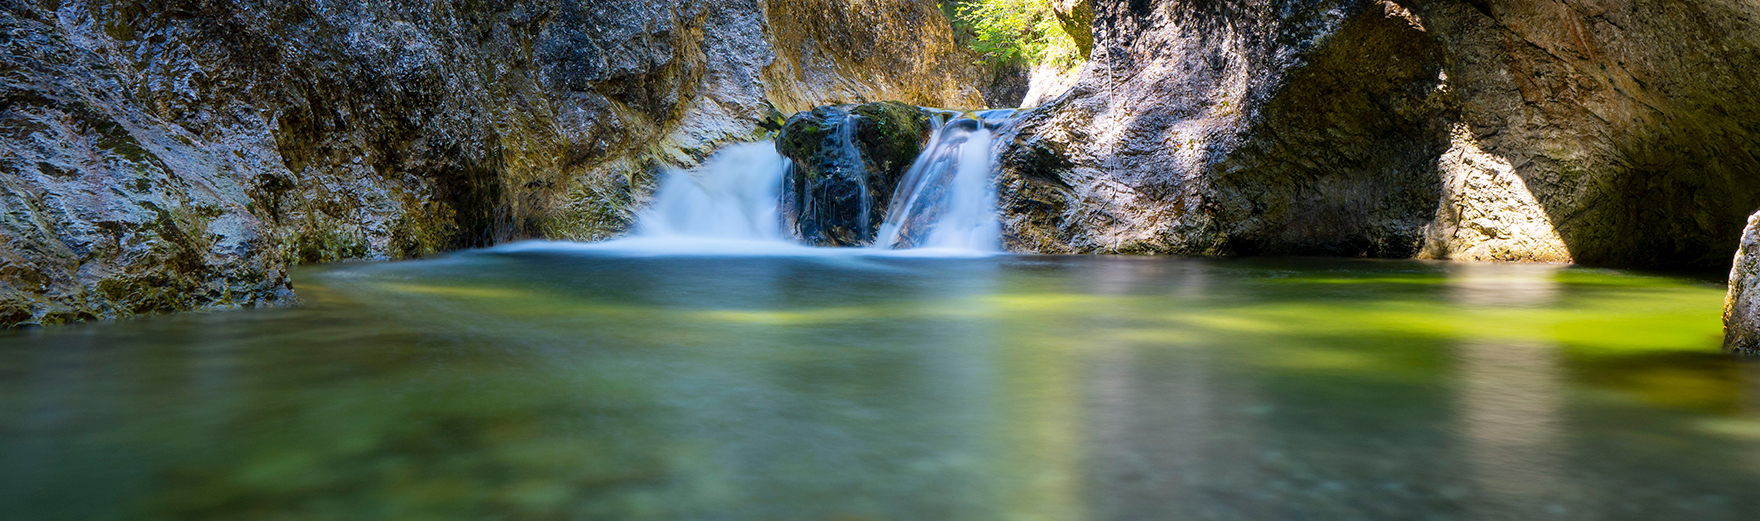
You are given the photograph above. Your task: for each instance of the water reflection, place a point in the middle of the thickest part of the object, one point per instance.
(1484, 284)
(543, 385)
(1511, 396)
(1511, 400)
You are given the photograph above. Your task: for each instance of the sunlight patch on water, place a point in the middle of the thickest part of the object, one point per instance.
(470, 292)
(1658, 319)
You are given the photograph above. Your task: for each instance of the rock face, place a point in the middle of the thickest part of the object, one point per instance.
(176, 155)
(848, 160)
(1618, 133)
(1741, 310)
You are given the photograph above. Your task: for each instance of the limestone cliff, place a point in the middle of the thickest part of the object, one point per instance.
(1621, 132)
(181, 154)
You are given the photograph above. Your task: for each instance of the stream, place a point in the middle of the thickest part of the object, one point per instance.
(550, 382)
(709, 367)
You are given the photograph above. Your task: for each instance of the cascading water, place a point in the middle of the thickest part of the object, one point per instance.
(945, 200)
(735, 195)
(852, 156)
(733, 203)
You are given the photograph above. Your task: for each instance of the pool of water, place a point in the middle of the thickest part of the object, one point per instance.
(548, 383)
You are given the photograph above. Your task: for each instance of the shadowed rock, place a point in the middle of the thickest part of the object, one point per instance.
(1620, 133)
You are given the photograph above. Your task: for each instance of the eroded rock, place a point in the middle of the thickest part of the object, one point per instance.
(176, 155)
(1228, 128)
(1618, 133)
(1634, 124)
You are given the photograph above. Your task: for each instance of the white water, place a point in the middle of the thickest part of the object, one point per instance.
(731, 205)
(852, 156)
(735, 195)
(728, 206)
(947, 192)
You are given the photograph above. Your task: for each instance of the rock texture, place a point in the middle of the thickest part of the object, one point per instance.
(1741, 310)
(1228, 128)
(182, 154)
(857, 51)
(1634, 123)
(1620, 132)
(848, 161)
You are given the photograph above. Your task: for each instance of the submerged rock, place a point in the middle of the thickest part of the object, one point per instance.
(163, 156)
(1741, 309)
(848, 161)
(1612, 134)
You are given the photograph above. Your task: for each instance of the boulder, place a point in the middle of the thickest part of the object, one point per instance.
(847, 163)
(1741, 309)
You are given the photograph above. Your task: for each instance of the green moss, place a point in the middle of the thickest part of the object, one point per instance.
(14, 311)
(896, 129)
(329, 246)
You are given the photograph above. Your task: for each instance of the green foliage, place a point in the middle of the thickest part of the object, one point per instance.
(1015, 31)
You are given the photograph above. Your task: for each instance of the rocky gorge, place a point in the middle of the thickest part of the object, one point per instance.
(176, 155)
(179, 155)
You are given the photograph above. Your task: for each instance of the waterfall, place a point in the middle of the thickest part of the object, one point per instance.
(846, 134)
(734, 195)
(732, 204)
(945, 199)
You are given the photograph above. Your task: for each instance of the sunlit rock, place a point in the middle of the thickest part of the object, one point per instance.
(1741, 309)
(1487, 212)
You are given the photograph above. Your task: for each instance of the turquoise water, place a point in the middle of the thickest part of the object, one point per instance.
(549, 384)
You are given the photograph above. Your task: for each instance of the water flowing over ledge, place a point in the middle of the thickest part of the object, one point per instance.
(948, 197)
(731, 205)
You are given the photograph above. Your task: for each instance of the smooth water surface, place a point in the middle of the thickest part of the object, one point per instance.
(544, 383)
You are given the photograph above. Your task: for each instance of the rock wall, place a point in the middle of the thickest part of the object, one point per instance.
(1634, 123)
(1620, 132)
(165, 155)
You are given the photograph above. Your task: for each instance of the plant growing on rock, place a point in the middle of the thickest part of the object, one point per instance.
(1017, 32)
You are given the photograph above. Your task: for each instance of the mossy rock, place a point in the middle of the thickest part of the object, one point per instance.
(849, 158)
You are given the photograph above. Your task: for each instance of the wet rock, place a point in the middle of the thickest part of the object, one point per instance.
(1010, 85)
(1741, 309)
(176, 155)
(848, 160)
